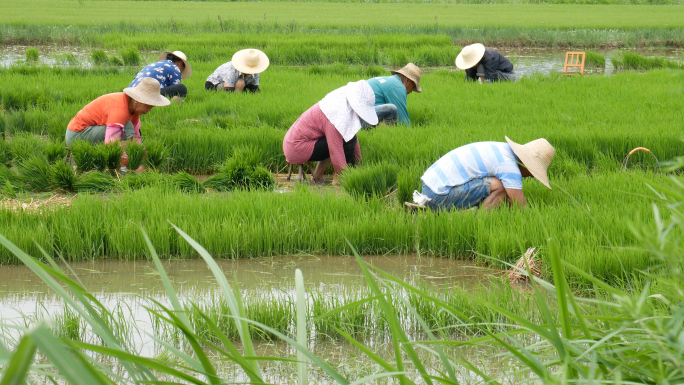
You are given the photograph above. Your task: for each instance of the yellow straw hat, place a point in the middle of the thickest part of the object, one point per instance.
(536, 156)
(412, 72)
(250, 61)
(147, 92)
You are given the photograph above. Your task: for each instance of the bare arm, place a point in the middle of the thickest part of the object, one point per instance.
(516, 197)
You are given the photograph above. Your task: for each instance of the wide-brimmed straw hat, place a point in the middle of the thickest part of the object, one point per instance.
(187, 71)
(536, 156)
(250, 61)
(361, 98)
(470, 55)
(412, 72)
(147, 92)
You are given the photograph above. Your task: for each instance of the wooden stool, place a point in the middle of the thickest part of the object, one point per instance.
(301, 171)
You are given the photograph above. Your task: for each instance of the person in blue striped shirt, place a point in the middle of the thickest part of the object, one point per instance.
(485, 174)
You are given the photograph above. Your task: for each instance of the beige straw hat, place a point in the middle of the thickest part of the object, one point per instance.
(470, 55)
(187, 71)
(536, 156)
(361, 98)
(147, 92)
(250, 61)
(412, 72)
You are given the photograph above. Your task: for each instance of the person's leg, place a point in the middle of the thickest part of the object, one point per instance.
(497, 194)
(239, 85)
(91, 134)
(179, 90)
(129, 131)
(465, 196)
(209, 86)
(507, 76)
(387, 113)
(321, 154)
(349, 148)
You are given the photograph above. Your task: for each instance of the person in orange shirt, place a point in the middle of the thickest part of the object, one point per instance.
(116, 117)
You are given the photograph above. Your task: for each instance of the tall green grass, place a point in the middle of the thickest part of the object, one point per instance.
(630, 60)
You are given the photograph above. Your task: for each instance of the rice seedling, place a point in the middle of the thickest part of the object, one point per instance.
(157, 154)
(187, 183)
(115, 61)
(219, 182)
(63, 176)
(100, 157)
(261, 179)
(36, 174)
(55, 152)
(85, 155)
(370, 181)
(630, 60)
(130, 57)
(95, 182)
(135, 152)
(98, 57)
(68, 59)
(138, 180)
(238, 170)
(6, 154)
(23, 147)
(594, 59)
(32, 55)
(112, 152)
(9, 190)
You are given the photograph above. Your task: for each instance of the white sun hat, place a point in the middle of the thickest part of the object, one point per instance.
(344, 106)
(250, 61)
(187, 71)
(536, 156)
(147, 92)
(470, 55)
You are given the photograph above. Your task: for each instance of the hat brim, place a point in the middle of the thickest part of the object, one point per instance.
(238, 62)
(186, 72)
(157, 100)
(364, 111)
(465, 64)
(416, 82)
(539, 172)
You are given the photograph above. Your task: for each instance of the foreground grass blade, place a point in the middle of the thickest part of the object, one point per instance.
(301, 327)
(16, 370)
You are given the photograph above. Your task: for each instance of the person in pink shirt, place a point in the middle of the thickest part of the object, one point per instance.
(326, 132)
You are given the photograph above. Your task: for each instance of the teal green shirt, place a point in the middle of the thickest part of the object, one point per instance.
(390, 90)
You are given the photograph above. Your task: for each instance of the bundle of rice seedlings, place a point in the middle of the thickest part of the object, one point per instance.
(32, 55)
(98, 57)
(84, 155)
(115, 61)
(262, 179)
(185, 182)
(250, 155)
(219, 182)
(63, 176)
(112, 152)
(594, 59)
(9, 182)
(8, 190)
(131, 57)
(55, 152)
(36, 174)
(156, 154)
(370, 181)
(95, 182)
(100, 158)
(238, 170)
(24, 146)
(6, 155)
(135, 152)
(408, 180)
(516, 276)
(136, 181)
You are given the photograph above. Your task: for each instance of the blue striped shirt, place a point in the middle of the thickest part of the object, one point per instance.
(473, 161)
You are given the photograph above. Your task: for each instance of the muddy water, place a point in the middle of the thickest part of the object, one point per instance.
(526, 61)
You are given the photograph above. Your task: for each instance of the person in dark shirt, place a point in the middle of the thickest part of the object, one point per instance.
(484, 64)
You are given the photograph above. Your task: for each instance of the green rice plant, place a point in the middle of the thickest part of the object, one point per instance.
(157, 154)
(95, 182)
(220, 182)
(112, 152)
(135, 152)
(23, 147)
(594, 59)
(36, 174)
(98, 57)
(187, 183)
(32, 55)
(55, 152)
(238, 170)
(252, 156)
(69, 325)
(85, 155)
(261, 179)
(115, 61)
(370, 181)
(68, 58)
(130, 57)
(408, 180)
(63, 176)
(100, 157)
(6, 154)
(9, 190)
(139, 180)
(630, 60)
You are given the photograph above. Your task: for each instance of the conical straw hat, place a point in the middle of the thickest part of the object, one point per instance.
(187, 71)
(147, 92)
(470, 55)
(412, 72)
(250, 61)
(536, 156)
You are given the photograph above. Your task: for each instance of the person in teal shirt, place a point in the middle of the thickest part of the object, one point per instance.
(391, 93)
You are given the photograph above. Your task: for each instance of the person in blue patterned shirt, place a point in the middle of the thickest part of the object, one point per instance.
(168, 71)
(486, 174)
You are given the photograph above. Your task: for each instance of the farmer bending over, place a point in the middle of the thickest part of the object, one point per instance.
(168, 71)
(240, 73)
(116, 117)
(327, 131)
(391, 93)
(484, 64)
(486, 174)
